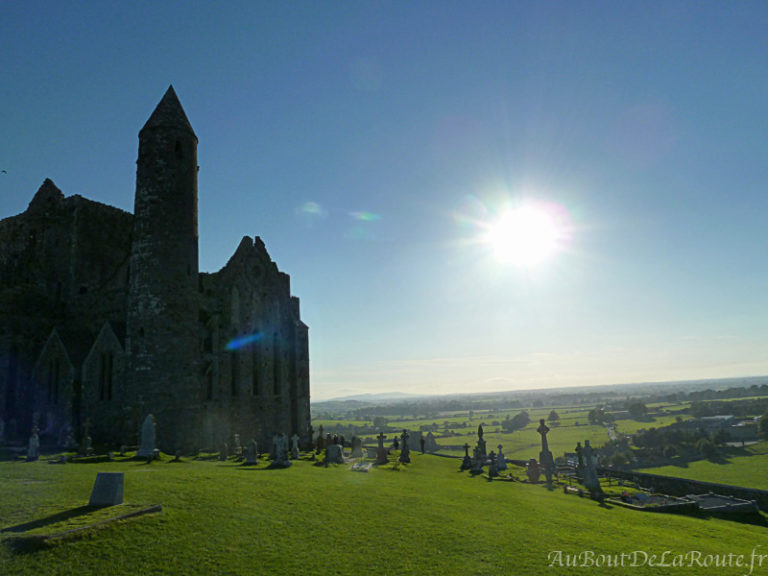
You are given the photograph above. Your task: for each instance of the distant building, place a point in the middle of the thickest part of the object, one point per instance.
(105, 318)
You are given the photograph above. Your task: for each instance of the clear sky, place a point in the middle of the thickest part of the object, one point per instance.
(387, 152)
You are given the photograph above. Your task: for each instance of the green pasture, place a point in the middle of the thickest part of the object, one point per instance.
(426, 518)
(630, 426)
(739, 467)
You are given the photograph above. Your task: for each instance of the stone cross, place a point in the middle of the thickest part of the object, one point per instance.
(545, 456)
(405, 452)
(543, 429)
(381, 451)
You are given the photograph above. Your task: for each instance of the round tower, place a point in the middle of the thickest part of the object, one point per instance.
(162, 320)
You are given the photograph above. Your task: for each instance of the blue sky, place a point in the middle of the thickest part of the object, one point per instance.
(372, 144)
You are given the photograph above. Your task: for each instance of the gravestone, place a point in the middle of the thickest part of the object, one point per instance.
(405, 453)
(295, 447)
(533, 470)
(431, 443)
(477, 461)
(334, 454)
(591, 481)
(33, 447)
(86, 448)
(224, 452)
(107, 490)
(237, 448)
(280, 452)
(147, 444)
(481, 442)
(580, 461)
(466, 463)
(493, 469)
(381, 451)
(252, 453)
(357, 447)
(501, 461)
(545, 456)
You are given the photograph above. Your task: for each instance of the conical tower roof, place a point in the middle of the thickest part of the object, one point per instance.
(169, 114)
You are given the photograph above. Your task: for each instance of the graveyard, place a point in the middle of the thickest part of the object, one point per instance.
(422, 516)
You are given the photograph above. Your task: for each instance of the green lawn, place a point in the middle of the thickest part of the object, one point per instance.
(749, 467)
(426, 518)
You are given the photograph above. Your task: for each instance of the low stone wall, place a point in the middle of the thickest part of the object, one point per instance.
(681, 486)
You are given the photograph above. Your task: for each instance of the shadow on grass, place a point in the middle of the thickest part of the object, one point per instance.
(53, 519)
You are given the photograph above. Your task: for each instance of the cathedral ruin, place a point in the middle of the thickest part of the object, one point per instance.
(105, 317)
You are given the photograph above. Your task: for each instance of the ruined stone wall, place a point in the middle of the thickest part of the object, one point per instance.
(250, 349)
(62, 265)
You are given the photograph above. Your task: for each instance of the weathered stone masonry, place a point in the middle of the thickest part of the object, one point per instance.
(105, 317)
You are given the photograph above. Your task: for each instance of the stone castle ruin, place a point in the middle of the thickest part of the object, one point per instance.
(105, 317)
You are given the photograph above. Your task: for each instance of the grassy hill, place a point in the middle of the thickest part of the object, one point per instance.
(426, 518)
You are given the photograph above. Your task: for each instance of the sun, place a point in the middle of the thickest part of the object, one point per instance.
(526, 235)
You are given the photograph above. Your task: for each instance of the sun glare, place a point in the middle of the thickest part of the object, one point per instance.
(525, 236)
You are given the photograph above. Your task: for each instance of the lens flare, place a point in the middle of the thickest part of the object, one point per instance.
(242, 341)
(365, 216)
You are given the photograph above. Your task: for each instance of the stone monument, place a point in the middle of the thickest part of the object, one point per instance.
(107, 490)
(252, 453)
(405, 452)
(320, 440)
(147, 445)
(357, 447)
(334, 454)
(501, 461)
(33, 448)
(580, 461)
(533, 470)
(545, 456)
(481, 442)
(466, 463)
(493, 469)
(381, 451)
(295, 447)
(477, 461)
(591, 481)
(431, 443)
(280, 451)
